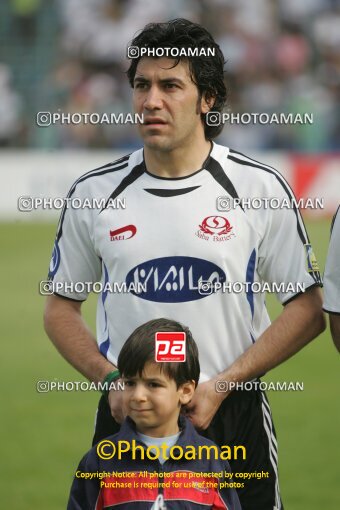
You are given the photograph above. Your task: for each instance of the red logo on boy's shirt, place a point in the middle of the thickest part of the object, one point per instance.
(170, 346)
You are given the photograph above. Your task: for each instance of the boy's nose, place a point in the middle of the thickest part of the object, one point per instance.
(139, 393)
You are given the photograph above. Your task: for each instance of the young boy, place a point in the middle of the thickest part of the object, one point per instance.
(146, 465)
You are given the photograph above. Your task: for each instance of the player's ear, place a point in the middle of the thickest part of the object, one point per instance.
(207, 102)
(186, 392)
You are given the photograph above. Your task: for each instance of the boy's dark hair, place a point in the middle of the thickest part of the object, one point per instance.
(139, 348)
(206, 72)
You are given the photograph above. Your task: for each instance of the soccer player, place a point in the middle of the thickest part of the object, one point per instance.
(153, 395)
(332, 281)
(177, 243)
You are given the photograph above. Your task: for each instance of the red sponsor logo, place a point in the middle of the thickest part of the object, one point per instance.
(215, 225)
(215, 229)
(170, 346)
(123, 233)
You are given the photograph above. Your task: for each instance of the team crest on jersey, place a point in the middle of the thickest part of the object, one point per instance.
(312, 263)
(215, 228)
(123, 233)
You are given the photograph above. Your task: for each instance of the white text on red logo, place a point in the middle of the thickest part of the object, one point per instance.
(170, 346)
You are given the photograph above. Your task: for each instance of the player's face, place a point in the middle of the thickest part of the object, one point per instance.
(153, 401)
(170, 103)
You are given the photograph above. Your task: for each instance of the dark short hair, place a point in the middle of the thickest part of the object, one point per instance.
(206, 72)
(139, 348)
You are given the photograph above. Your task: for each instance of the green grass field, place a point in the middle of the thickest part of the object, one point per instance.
(45, 434)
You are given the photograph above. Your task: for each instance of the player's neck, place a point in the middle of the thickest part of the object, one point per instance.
(180, 162)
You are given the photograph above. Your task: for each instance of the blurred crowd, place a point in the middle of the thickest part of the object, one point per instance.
(70, 56)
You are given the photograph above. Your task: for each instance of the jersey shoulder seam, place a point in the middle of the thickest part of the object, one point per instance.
(237, 157)
(116, 165)
(270, 175)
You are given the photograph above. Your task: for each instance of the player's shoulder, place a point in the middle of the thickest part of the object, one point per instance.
(112, 171)
(246, 171)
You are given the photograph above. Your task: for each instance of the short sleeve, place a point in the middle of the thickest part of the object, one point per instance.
(75, 264)
(286, 256)
(332, 269)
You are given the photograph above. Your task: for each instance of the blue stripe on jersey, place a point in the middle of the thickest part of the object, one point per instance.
(250, 278)
(106, 279)
(104, 347)
(105, 292)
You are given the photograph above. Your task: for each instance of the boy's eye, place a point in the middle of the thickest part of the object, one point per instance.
(154, 385)
(129, 383)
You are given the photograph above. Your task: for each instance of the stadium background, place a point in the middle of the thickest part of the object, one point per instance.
(69, 56)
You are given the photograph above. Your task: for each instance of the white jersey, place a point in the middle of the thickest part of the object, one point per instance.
(174, 238)
(332, 269)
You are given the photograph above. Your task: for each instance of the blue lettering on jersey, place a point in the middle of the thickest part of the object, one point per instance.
(174, 279)
(55, 261)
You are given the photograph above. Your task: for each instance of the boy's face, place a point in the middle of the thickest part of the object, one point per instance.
(170, 103)
(154, 402)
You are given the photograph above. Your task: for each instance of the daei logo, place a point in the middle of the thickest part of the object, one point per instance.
(170, 346)
(120, 234)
